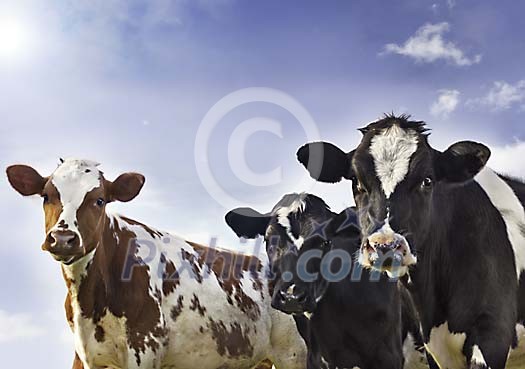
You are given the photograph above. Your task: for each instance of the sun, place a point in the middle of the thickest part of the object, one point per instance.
(14, 39)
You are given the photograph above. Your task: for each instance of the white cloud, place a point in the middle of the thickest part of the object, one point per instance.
(428, 45)
(17, 326)
(503, 159)
(451, 3)
(502, 96)
(445, 104)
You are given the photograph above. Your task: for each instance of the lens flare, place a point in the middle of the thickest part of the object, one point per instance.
(14, 39)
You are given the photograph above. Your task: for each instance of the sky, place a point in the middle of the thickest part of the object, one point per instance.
(210, 99)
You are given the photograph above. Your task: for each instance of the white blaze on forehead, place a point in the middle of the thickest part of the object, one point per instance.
(298, 205)
(73, 179)
(391, 150)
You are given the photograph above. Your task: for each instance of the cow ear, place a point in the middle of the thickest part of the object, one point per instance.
(25, 180)
(461, 161)
(126, 187)
(326, 162)
(247, 223)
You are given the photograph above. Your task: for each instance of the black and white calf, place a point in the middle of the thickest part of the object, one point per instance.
(464, 222)
(354, 320)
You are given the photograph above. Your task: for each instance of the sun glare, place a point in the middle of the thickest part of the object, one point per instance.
(14, 39)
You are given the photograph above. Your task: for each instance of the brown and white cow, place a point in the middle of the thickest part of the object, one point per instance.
(141, 298)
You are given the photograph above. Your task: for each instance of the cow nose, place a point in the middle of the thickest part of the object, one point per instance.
(61, 239)
(291, 300)
(393, 248)
(386, 250)
(383, 237)
(385, 241)
(293, 295)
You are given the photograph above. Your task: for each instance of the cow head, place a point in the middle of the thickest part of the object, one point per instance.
(74, 200)
(394, 174)
(297, 235)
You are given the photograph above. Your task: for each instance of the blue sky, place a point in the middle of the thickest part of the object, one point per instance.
(128, 83)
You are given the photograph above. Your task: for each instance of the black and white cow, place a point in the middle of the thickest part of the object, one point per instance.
(464, 222)
(354, 320)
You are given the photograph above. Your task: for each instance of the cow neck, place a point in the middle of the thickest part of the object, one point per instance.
(93, 269)
(429, 278)
(423, 284)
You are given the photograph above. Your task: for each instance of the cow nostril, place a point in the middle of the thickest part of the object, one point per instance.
(401, 247)
(296, 297)
(73, 241)
(368, 246)
(301, 297)
(391, 246)
(50, 239)
(64, 238)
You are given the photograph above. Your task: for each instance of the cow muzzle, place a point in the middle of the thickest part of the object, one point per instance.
(64, 246)
(387, 251)
(293, 300)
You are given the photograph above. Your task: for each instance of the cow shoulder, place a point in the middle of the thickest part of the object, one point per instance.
(504, 198)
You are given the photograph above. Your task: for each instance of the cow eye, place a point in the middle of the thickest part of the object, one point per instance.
(427, 183)
(46, 199)
(100, 202)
